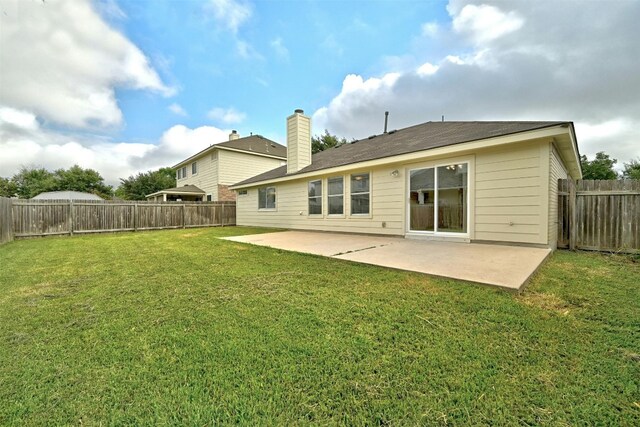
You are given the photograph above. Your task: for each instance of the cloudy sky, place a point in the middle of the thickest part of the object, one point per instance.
(129, 86)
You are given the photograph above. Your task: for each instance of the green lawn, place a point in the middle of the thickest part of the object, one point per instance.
(179, 327)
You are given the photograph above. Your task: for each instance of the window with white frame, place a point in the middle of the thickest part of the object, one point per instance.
(194, 168)
(184, 171)
(335, 195)
(267, 198)
(178, 174)
(315, 197)
(360, 194)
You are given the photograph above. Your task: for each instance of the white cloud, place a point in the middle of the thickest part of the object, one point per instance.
(231, 14)
(427, 69)
(68, 73)
(279, 48)
(226, 115)
(24, 142)
(484, 23)
(177, 109)
(502, 69)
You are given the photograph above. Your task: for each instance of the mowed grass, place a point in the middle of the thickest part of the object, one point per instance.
(179, 327)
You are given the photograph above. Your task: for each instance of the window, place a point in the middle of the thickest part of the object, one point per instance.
(184, 171)
(438, 198)
(208, 197)
(335, 195)
(194, 168)
(360, 194)
(267, 198)
(178, 175)
(315, 197)
(242, 192)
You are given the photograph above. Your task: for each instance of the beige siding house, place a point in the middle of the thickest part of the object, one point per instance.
(459, 181)
(206, 176)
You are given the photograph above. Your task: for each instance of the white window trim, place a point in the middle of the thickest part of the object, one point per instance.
(341, 215)
(273, 209)
(196, 172)
(370, 192)
(321, 197)
(435, 165)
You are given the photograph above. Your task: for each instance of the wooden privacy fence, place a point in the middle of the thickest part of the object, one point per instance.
(599, 215)
(6, 228)
(50, 217)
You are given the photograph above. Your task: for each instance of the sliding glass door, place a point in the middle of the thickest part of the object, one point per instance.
(438, 199)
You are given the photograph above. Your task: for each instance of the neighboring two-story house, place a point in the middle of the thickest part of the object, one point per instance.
(207, 175)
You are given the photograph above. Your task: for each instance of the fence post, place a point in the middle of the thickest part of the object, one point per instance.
(71, 217)
(222, 215)
(184, 216)
(572, 215)
(135, 216)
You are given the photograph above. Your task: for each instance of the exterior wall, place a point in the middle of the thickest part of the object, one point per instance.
(557, 171)
(511, 200)
(386, 198)
(236, 167)
(226, 195)
(508, 188)
(207, 177)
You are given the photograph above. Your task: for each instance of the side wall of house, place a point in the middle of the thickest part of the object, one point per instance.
(557, 171)
(386, 206)
(508, 185)
(207, 176)
(236, 167)
(511, 193)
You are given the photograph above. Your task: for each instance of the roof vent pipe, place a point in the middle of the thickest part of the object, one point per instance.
(443, 118)
(386, 120)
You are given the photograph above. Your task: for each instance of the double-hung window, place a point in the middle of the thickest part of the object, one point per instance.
(335, 195)
(315, 197)
(184, 171)
(194, 168)
(267, 198)
(360, 194)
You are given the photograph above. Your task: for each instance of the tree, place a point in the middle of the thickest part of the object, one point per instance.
(137, 187)
(8, 188)
(32, 181)
(599, 168)
(632, 169)
(86, 180)
(325, 141)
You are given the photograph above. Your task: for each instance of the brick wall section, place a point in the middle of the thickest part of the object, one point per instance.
(226, 195)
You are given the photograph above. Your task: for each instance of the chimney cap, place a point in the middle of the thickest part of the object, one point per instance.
(234, 131)
(299, 111)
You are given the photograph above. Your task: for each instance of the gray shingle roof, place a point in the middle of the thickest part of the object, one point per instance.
(257, 144)
(420, 137)
(185, 189)
(66, 195)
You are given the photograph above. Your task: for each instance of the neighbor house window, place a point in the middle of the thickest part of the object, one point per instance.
(315, 197)
(184, 171)
(267, 198)
(359, 194)
(242, 192)
(194, 168)
(209, 197)
(335, 195)
(178, 176)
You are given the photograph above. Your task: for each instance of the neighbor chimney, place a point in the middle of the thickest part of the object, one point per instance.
(233, 135)
(298, 141)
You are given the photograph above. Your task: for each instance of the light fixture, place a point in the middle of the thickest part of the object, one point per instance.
(395, 173)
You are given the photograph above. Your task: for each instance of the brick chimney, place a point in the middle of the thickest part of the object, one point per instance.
(234, 135)
(298, 141)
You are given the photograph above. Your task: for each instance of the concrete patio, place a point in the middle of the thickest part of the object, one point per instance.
(504, 266)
